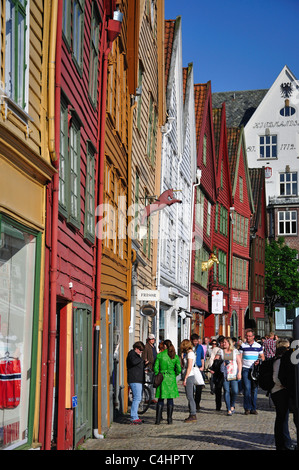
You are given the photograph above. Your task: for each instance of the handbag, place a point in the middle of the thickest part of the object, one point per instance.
(198, 378)
(158, 379)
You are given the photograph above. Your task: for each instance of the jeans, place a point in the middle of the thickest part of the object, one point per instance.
(230, 393)
(250, 390)
(137, 395)
(189, 394)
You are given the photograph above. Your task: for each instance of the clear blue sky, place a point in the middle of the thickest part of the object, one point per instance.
(238, 44)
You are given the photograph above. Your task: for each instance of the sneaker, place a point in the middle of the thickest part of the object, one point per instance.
(253, 412)
(247, 412)
(190, 419)
(136, 421)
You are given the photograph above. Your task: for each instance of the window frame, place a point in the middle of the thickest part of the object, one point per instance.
(284, 221)
(269, 145)
(18, 61)
(290, 183)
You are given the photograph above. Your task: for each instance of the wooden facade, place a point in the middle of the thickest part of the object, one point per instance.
(223, 222)
(146, 157)
(25, 171)
(243, 209)
(205, 199)
(116, 255)
(258, 237)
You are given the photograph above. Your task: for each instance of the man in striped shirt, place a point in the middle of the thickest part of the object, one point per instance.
(251, 353)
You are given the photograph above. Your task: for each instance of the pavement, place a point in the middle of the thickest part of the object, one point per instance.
(213, 430)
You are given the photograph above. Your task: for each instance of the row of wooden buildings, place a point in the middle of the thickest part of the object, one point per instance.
(119, 185)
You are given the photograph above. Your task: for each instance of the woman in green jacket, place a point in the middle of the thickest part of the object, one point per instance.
(168, 363)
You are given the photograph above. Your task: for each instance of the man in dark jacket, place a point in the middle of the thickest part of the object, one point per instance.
(135, 371)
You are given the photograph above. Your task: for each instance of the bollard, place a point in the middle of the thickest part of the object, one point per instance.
(295, 360)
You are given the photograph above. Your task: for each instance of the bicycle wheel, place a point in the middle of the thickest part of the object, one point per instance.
(145, 400)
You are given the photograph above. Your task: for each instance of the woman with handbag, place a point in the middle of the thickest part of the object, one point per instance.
(232, 369)
(188, 360)
(168, 364)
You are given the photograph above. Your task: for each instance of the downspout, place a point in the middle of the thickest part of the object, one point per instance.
(98, 257)
(113, 30)
(54, 121)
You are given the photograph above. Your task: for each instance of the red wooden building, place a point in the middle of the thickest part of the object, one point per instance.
(258, 236)
(242, 210)
(217, 324)
(205, 197)
(85, 31)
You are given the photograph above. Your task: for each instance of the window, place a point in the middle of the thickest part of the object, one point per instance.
(287, 222)
(89, 226)
(201, 255)
(77, 31)
(268, 146)
(151, 131)
(16, 51)
(239, 273)
(19, 293)
(139, 97)
(222, 266)
(74, 171)
(241, 188)
(288, 184)
(209, 218)
(94, 52)
(69, 166)
(287, 111)
(199, 210)
(204, 150)
(223, 221)
(66, 20)
(284, 318)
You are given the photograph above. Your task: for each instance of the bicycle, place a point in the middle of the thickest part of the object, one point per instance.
(146, 398)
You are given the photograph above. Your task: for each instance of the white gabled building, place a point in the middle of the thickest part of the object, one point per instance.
(272, 139)
(178, 162)
(271, 125)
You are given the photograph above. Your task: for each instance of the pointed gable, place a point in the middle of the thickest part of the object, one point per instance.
(200, 94)
(236, 151)
(168, 44)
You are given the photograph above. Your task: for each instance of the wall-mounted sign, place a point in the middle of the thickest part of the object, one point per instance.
(268, 172)
(148, 295)
(217, 301)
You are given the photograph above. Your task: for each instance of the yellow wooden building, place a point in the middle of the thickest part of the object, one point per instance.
(26, 97)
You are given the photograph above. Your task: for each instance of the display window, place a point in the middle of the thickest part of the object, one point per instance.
(18, 255)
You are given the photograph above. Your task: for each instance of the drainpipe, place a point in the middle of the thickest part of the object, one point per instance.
(54, 123)
(113, 30)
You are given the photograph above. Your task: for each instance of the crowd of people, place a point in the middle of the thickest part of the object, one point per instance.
(229, 367)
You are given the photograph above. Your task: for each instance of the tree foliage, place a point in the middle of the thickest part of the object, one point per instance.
(281, 276)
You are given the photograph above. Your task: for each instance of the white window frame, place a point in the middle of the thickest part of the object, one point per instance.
(287, 217)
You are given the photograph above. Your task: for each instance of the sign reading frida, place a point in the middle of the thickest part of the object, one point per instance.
(166, 199)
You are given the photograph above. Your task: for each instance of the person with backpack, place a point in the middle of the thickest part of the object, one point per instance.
(280, 397)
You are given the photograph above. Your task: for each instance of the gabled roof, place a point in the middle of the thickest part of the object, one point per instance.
(217, 131)
(240, 105)
(236, 143)
(168, 44)
(200, 95)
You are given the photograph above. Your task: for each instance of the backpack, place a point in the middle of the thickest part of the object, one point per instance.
(265, 379)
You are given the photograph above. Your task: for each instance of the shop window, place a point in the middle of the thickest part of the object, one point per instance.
(18, 261)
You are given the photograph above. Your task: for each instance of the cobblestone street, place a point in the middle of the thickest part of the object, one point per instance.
(214, 430)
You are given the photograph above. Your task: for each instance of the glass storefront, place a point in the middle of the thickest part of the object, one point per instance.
(17, 286)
